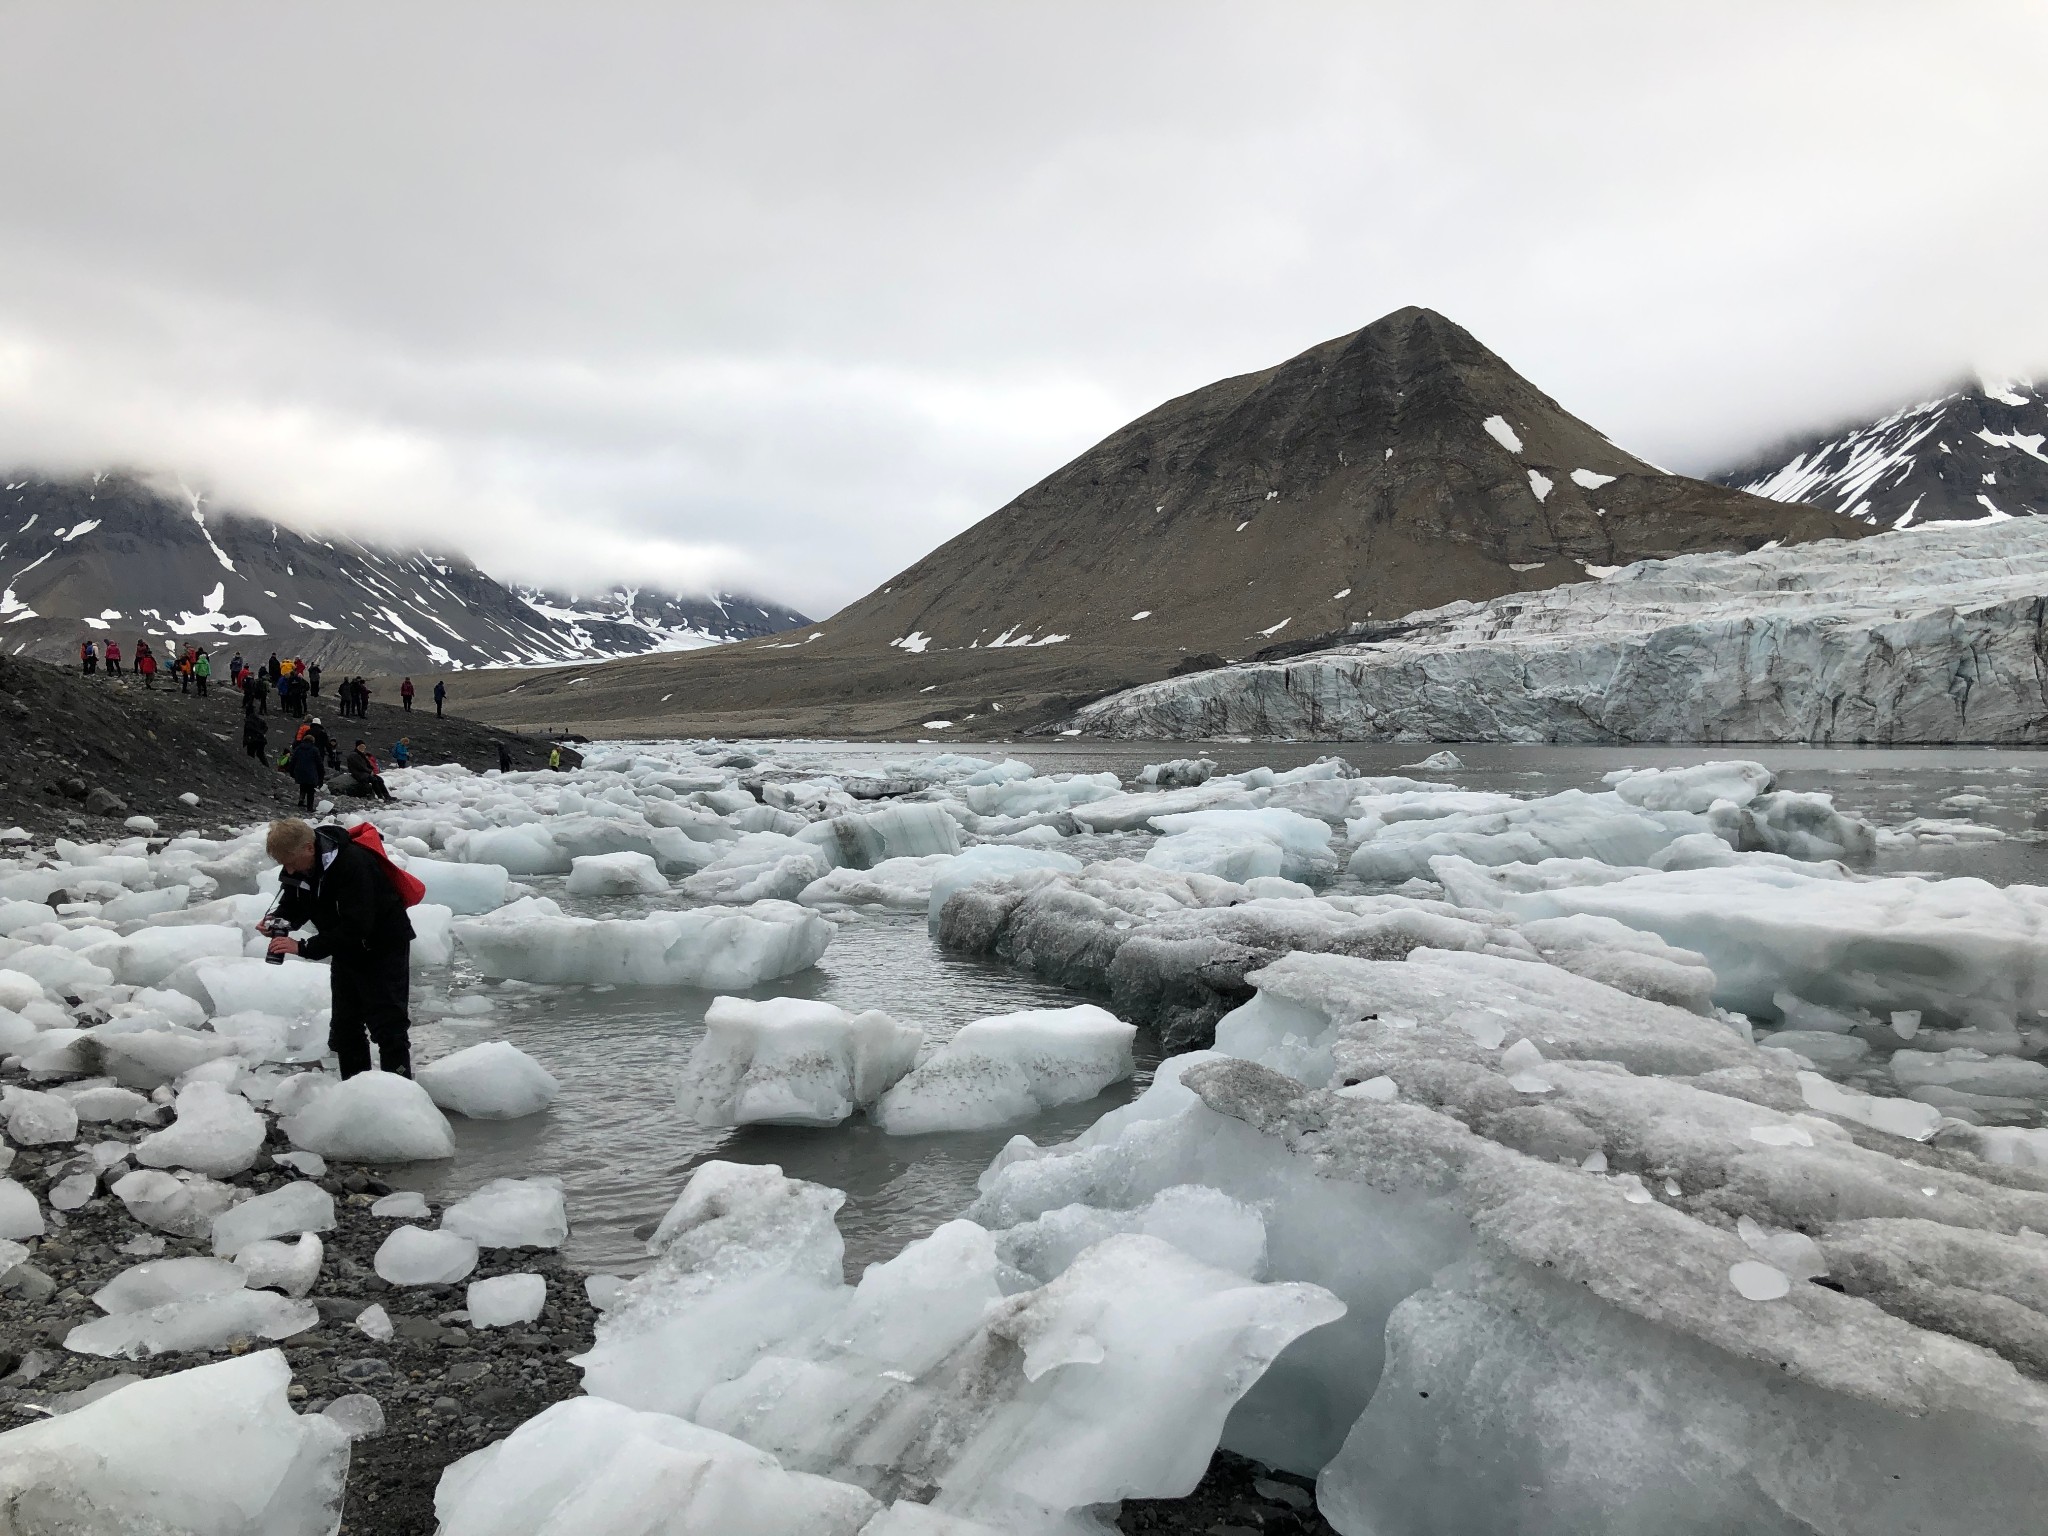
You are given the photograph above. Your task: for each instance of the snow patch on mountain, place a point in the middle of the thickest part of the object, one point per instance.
(1925, 462)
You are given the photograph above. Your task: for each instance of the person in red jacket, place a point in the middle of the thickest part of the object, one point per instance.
(113, 658)
(405, 691)
(145, 663)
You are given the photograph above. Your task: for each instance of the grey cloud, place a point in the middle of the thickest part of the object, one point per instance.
(782, 295)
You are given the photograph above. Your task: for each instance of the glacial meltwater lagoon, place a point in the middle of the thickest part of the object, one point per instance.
(623, 1150)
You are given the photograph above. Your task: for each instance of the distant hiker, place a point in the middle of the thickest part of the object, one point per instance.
(362, 698)
(88, 657)
(235, 668)
(308, 769)
(253, 693)
(405, 694)
(555, 758)
(363, 769)
(255, 736)
(401, 752)
(281, 680)
(202, 669)
(113, 658)
(341, 881)
(504, 758)
(313, 678)
(145, 663)
(325, 742)
(296, 685)
(440, 698)
(184, 668)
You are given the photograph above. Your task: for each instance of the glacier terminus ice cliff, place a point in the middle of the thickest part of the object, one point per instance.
(1930, 634)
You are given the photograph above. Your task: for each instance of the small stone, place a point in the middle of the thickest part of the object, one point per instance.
(1276, 1492)
(104, 802)
(446, 1405)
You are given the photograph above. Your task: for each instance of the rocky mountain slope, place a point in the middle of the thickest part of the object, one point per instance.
(1979, 452)
(1400, 467)
(113, 557)
(1917, 636)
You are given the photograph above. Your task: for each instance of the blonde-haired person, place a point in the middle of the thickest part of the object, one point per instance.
(361, 930)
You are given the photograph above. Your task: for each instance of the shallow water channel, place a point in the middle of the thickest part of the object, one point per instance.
(623, 1150)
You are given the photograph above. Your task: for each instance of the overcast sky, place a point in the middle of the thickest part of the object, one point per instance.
(781, 295)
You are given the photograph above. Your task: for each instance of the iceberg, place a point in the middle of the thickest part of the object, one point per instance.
(717, 948)
(789, 1061)
(1008, 1068)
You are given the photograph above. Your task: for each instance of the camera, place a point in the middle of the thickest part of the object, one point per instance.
(275, 928)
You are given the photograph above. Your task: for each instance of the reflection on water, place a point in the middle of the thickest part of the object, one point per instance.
(623, 1151)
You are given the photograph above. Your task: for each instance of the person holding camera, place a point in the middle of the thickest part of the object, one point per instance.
(328, 878)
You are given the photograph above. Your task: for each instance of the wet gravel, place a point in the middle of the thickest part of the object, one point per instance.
(446, 1389)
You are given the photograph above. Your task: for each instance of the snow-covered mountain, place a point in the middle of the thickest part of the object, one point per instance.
(112, 557)
(1977, 453)
(1920, 635)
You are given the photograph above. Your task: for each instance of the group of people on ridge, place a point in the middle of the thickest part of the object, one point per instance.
(192, 666)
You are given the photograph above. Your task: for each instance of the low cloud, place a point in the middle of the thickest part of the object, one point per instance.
(780, 296)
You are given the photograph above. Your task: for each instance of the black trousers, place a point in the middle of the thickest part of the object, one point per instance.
(371, 1004)
(308, 794)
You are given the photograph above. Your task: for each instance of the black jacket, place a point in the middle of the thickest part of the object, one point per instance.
(360, 915)
(306, 765)
(359, 768)
(254, 732)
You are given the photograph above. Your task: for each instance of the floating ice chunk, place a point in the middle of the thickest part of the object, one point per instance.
(511, 1213)
(216, 1132)
(1693, 788)
(1445, 761)
(1011, 1067)
(1180, 773)
(38, 1119)
(375, 1323)
(492, 1080)
(162, 1281)
(616, 874)
(289, 1267)
(466, 889)
(791, 1061)
(1906, 1023)
(527, 849)
(404, 1205)
(1202, 1223)
(421, 1256)
(587, 1467)
(359, 1415)
(205, 1322)
(506, 1299)
(990, 862)
(373, 1117)
(214, 1450)
(721, 948)
(902, 885)
(893, 832)
(1238, 845)
(1757, 1281)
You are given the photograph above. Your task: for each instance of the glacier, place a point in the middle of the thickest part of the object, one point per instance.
(1929, 634)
